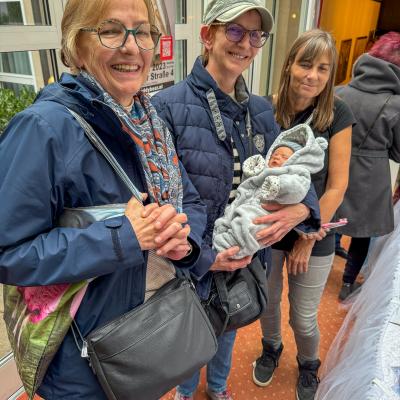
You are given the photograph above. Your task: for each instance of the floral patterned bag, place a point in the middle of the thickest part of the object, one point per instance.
(37, 319)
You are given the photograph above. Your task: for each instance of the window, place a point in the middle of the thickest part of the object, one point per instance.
(24, 12)
(180, 12)
(187, 31)
(28, 68)
(181, 60)
(10, 13)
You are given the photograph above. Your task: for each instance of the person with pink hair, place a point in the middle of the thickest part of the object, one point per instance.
(373, 94)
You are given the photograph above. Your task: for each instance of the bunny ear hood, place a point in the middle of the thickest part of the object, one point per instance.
(311, 151)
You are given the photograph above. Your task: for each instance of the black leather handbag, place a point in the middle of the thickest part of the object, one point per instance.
(146, 352)
(237, 298)
(149, 350)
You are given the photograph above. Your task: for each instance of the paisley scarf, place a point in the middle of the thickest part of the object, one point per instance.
(154, 145)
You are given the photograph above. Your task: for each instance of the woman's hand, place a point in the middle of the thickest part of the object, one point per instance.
(172, 231)
(224, 261)
(175, 246)
(179, 252)
(299, 256)
(160, 228)
(144, 227)
(315, 235)
(283, 220)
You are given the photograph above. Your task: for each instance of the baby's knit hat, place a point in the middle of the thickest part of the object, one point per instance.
(292, 145)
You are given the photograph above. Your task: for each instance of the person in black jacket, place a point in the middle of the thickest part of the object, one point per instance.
(373, 94)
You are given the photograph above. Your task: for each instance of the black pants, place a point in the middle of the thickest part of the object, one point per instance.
(356, 256)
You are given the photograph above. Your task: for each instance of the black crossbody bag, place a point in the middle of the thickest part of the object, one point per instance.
(149, 350)
(240, 297)
(237, 298)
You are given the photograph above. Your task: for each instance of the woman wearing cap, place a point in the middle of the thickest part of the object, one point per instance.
(217, 124)
(305, 89)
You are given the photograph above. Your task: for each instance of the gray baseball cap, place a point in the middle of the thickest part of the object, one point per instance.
(228, 10)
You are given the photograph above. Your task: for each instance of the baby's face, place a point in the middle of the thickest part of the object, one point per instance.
(280, 156)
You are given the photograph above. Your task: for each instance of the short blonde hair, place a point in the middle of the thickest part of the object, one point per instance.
(315, 42)
(80, 14)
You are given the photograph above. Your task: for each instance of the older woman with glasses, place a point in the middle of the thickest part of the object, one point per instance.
(217, 124)
(47, 166)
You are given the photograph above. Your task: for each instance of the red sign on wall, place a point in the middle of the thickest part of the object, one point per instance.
(166, 48)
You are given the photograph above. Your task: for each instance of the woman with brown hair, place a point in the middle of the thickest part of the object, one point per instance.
(306, 92)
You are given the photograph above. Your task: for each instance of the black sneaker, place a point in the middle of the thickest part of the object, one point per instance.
(264, 366)
(341, 252)
(307, 383)
(345, 291)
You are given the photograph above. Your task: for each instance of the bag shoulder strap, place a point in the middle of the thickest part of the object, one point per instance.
(373, 124)
(102, 148)
(220, 283)
(309, 119)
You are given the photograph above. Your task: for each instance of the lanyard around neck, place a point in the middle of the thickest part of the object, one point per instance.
(218, 123)
(309, 119)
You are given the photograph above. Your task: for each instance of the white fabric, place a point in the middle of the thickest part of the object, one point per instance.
(159, 271)
(363, 362)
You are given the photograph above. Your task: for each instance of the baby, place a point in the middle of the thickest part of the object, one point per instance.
(283, 177)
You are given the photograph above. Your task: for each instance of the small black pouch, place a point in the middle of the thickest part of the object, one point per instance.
(237, 298)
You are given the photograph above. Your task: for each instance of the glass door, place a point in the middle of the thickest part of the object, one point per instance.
(187, 36)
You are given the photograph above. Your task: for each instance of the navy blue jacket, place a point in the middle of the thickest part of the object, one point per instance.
(208, 160)
(46, 164)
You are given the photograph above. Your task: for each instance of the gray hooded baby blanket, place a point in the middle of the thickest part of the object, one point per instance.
(287, 184)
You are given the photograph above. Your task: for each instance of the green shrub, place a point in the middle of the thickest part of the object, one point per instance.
(11, 104)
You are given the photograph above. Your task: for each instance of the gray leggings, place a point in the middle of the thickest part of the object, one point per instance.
(305, 291)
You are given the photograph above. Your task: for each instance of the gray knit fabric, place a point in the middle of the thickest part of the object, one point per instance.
(228, 10)
(287, 184)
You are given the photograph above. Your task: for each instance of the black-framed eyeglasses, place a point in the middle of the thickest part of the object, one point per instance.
(236, 33)
(114, 34)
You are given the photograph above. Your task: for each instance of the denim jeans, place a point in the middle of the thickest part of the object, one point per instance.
(338, 238)
(217, 369)
(305, 291)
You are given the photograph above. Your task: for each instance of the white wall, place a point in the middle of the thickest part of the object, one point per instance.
(394, 168)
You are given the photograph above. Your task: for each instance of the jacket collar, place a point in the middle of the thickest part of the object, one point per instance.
(201, 81)
(75, 93)
(69, 89)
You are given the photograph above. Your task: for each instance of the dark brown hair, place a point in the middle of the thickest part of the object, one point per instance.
(313, 44)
